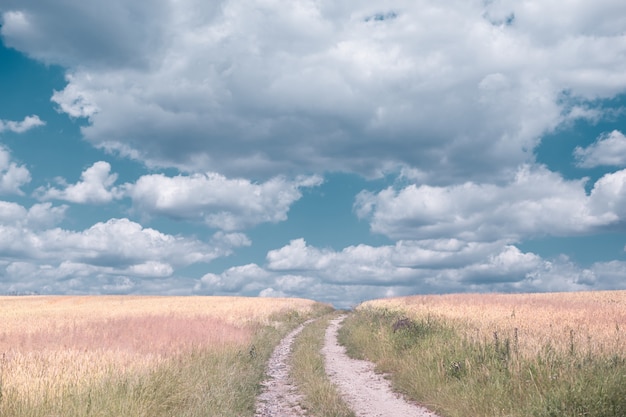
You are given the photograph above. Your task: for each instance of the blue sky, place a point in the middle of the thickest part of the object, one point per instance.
(334, 151)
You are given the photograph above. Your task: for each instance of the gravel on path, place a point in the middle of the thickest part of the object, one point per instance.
(280, 397)
(367, 392)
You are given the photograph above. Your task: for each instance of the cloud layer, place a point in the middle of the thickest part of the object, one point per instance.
(461, 89)
(254, 102)
(37, 256)
(217, 201)
(536, 203)
(357, 273)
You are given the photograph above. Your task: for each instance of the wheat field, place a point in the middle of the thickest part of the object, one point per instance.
(592, 322)
(49, 344)
(499, 355)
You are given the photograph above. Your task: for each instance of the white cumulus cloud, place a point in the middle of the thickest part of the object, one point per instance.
(12, 176)
(536, 202)
(95, 187)
(252, 101)
(116, 242)
(364, 272)
(220, 202)
(38, 216)
(49, 258)
(461, 89)
(28, 123)
(609, 150)
(404, 263)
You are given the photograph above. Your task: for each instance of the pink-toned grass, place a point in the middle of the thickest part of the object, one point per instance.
(48, 343)
(162, 335)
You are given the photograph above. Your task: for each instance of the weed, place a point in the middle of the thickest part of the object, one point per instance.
(474, 357)
(140, 356)
(321, 398)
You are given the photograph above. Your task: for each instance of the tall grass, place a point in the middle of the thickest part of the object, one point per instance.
(320, 397)
(461, 366)
(591, 321)
(140, 363)
(220, 382)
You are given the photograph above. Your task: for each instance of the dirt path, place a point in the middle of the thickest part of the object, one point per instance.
(368, 393)
(279, 397)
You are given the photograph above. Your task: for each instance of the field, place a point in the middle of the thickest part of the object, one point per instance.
(127, 355)
(479, 355)
(591, 323)
(560, 354)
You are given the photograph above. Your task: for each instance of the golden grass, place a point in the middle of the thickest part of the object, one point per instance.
(500, 355)
(577, 322)
(50, 343)
(41, 312)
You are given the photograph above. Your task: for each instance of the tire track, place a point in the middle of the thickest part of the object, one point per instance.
(280, 397)
(367, 392)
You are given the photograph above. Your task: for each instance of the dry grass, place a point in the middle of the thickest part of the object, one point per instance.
(41, 312)
(48, 344)
(589, 322)
(321, 398)
(500, 355)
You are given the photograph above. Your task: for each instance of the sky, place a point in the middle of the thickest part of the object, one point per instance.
(339, 151)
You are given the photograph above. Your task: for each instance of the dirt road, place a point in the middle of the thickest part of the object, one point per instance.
(367, 393)
(280, 397)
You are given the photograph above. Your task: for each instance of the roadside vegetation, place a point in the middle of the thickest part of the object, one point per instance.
(134, 356)
(320, 397)
(543, 355)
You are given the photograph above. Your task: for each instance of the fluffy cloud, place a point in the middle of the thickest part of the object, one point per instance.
(363, 272)
(451, 239)
(227, 204)
(607, 200)
(239, 279)
(78, 278)
(406, 263)
(260, 88)
(118, 249)
(536, 202)
(219, 202)
(72, 33)
(39, 216)
(28, 123)
(95, 187)
(454, 95)
(115, 243)
(12, 176)
(609, 149)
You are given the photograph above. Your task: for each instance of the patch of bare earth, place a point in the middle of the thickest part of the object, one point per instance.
(366, 392)
(280, 397)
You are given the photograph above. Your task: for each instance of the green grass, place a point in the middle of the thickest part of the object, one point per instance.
(321, 398)
(216, 383)
(431, 363)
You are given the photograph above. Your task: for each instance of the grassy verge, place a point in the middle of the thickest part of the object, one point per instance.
(204, 382)
(431, 363)
(321, 398)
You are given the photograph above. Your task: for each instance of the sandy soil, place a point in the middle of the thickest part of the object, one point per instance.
(367, 393)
